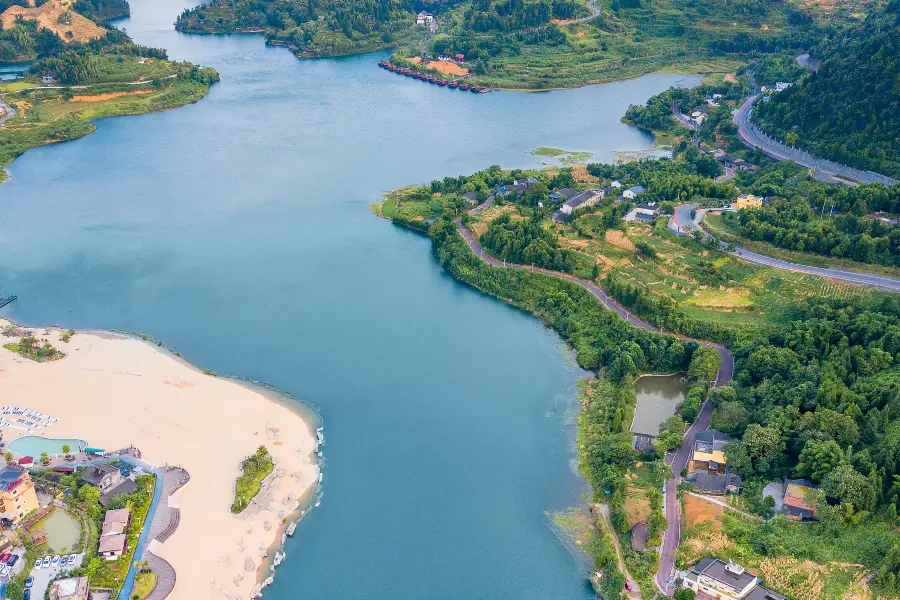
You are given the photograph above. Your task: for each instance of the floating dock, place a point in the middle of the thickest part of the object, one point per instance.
(455, 84)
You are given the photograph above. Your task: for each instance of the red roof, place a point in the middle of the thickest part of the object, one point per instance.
(26, 460)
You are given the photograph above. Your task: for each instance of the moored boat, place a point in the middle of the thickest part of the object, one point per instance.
(443, 82)
(453, 85)
(464, 86)
(474, 89)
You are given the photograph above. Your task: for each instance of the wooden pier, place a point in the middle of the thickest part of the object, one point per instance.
(8, 300)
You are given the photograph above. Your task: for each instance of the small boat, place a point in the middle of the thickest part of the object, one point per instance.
(474, 89)
(279, 556)
(320, 476)
(453, 85)
(443, 82)
(464, 87)
(291, 528)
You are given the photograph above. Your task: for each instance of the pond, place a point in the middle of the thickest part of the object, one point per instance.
(33, 445)
(657, 397)
(63, 532)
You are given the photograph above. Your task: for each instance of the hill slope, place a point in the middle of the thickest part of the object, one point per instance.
(849, 110)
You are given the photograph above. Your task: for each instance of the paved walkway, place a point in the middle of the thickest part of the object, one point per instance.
(164, 523)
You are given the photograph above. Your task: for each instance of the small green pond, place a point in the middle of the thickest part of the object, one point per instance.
(63, 532)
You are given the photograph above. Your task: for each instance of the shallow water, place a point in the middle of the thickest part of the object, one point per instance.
(238, 231)
(657, 397)
(63, 532)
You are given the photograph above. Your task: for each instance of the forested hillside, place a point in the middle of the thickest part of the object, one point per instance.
(849, 110)
(101, 11)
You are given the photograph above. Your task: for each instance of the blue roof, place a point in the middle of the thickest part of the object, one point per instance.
(9, 476)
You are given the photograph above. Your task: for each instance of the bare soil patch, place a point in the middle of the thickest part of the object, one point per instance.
(47, 16)
(618, 239)
(447, 68)
(697, 510)
(637, 507)
(108, 96)
(581, 175)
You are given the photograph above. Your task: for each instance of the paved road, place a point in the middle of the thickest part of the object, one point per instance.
(9, 114)
(682, 223)
(684, 119)
(753, 137)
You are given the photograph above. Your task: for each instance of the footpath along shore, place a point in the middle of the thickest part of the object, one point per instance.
(114, 391)
(664, 579)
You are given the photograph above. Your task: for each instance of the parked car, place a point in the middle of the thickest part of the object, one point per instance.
(627, 585)
(46, 562)
(5, 571)
(4, 557)
(29, 582)
(55, 561)
(72, 559)
(37, 563)
(27, 595)
(13, 560)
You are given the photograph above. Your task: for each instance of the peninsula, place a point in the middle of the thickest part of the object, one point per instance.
(84, 71)
(112, 391)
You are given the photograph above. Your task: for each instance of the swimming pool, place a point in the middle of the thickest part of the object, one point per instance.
(33, 445)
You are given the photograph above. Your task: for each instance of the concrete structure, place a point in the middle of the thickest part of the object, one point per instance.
(586, 198)
(103, 477)
(646, 211)
(747, 201)
(17, 497)
(640, 533)
(72, 588)
(726, 581)
(424, 18)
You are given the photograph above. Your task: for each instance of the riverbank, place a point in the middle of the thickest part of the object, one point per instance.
(114, 392)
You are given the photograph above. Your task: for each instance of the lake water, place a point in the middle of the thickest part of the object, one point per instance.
(238, 231)
(63, 532)
(657, 397)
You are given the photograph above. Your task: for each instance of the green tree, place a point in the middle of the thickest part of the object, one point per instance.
(818, 459)
(684, 594)
(848, 486)
(731, 418)
(45, 458)
(791, 139)
(66, 449)
(8, 456)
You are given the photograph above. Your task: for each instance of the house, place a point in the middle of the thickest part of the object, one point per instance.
(639, 536)
(795, 505)
(424, 18)
(471, 197)
(733, 162)
(715, 578)
(460, 58)
(781, 86)
(747, 201)
(17, 496)
(633, 192)
(615, 184)
(71, 588)
(101, 476)
(708, 453)
(713, 483)
(563, 194)
(698, 116)
(646, 211)
(586, 198)
(113, 534)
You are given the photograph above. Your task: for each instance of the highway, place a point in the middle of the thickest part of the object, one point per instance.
(753, 137)
(682, 224)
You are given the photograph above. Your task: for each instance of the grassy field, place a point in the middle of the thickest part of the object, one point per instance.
(47, 116)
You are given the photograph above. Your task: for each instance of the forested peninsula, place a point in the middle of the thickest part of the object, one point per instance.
(816, 386)
(85, 69)
(529, 44)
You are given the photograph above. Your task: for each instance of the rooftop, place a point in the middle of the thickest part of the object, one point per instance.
(95, 473)
(9, 477)
(576, 201)
(637, 189)
(711, 440)
(713, 482)
(728, 573)
(112, 543)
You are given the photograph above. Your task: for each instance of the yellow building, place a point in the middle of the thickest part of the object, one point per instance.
(747, 201)
(17, 497)
(708, 453)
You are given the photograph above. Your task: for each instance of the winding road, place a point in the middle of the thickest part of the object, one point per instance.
(682, 223)
(665, 577)
(753, 137)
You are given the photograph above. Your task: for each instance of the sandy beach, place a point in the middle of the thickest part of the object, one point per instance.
(114, 392)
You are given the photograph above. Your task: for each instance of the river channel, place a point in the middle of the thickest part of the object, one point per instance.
(238, 231)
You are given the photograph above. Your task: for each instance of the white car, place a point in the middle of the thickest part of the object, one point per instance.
(55, 561)
(5, 571)
(37, 563)
(72, 559)
(46, 562)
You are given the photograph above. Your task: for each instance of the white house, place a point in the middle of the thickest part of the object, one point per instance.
(729, 581)
(424, 18)
(615, 184)
(633, 192)
(781, 86)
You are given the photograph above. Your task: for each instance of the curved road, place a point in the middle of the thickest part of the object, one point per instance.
(665, 579)
(753, 137)
(682, 223)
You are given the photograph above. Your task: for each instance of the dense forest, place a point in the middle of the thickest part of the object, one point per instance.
(101, 11)
(849, 110)
(794, 225)
(525, 241)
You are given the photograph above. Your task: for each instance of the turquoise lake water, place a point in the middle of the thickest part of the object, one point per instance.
(33, 445)
(238, 231)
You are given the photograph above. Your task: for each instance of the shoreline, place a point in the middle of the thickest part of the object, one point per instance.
(101, 367)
